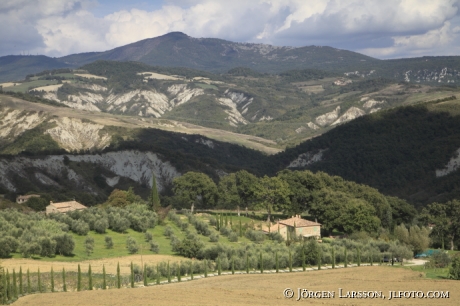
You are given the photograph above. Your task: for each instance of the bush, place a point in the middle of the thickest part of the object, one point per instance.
(64, 244)
(89, 245)
(214, 237)
(108, 242)
(233, 237)
(225, 231)
(255, 236)
(190, 247)
(454, 271)
(275, 236)
(168, 231)
(101, 225)
(48, 247)
(8, 245)
(439, 260)
(131, 245)
(80, 227)
(154, 247)
(148, 236)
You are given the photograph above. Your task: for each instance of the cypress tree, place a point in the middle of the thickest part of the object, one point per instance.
(90, 278)
(104, 282)
(241, 229)
(219, 267)
(303, 257)
(154, 197)
(21, 289)
(205, 268)
(39, 281)
(290, 261)
(319, 260)
(218, 223)
(226, 221)
(79, 278)
(261, 263)
(132, 275)
(191, 270)
(52, 279)
(233, 265)
(178, 273)
(371, 258)
(118, 276)
(392, 260)
(5, 289)
(277, 263)
(158, 275)
(247, 264)
(169, 273)
(28, 281)
(15, 285)
(359, 257)
(64, 285)
(145, 275)
(8, 285)
(346, 258)
(333, 257)
(231, 221)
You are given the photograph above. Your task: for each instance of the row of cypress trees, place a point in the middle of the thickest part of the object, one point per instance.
(13, 286)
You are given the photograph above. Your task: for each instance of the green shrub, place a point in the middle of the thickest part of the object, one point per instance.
(131, 245)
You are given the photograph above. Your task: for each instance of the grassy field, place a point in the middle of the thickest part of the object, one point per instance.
(24, 87)
(267, 289)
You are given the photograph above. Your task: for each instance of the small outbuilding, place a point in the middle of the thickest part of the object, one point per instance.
(24, 198)
(296, 226)
(64, 207)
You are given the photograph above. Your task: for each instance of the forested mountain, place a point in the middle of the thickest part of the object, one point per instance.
(411, 152)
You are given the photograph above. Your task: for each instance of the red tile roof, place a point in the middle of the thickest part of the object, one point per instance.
(298, 222)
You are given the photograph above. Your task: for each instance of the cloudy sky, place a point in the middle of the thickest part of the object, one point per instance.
(382, 29)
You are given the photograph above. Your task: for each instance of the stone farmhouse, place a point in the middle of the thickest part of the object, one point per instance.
(64, 207)
(24, 198)
(296, 226)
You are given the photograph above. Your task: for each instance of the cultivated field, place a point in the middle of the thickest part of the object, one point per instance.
(90, 76)
(267, 289)
(96, 264)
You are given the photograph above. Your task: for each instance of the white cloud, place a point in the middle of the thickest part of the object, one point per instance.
(388, 28)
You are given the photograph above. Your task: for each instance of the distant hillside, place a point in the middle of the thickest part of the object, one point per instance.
(286, 109)
(411, 152)
(16, 67)
(49, 149)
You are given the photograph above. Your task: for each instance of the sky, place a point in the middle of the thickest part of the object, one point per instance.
(381, 29)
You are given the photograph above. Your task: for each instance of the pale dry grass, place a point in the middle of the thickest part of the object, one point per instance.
(158, 76)
(48, 88)
(90, 76)
(96, 265)
(265, 289)
(8, 84)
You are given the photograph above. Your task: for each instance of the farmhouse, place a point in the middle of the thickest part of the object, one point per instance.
(64, 207)
(24, 198)
(296, 226)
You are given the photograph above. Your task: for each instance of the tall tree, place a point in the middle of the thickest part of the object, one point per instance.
(272, 194)
(228, 192)
(445, 220)
(303, 186)
(246, 185)
(196, 190)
